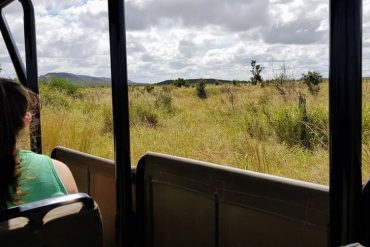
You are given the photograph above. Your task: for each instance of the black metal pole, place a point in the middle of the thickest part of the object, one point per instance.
(124, 223)
(12, 49)
(345, 92)
(31, 69)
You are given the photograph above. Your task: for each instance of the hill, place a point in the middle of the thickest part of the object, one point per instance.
(83, 80)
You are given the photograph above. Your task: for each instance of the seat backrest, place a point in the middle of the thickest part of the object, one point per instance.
(95, 176)
(184, 202)
(72, 220)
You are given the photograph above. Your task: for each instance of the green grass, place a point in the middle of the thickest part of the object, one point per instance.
(243, 126)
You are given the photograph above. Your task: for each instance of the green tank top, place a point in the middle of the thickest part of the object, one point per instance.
(38, 179)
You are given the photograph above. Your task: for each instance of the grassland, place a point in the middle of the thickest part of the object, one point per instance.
(249, 127)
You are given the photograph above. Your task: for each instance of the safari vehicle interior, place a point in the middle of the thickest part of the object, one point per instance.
(173, 201)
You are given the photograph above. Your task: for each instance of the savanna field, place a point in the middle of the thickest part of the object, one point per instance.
(280, 129)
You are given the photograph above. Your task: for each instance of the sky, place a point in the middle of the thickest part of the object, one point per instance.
(167, 39)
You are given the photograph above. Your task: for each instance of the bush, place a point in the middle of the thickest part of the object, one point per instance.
(167, 89)
(146, 116)
(366, 123)
(286, 123)
(289, 122)
(312, 79)
(201, 89)
(179, 82)
(257, 123)
(107, 119)
(283, 79)
(149, 88)
(64, 86)
(164, 100)
(143, 114)
(53, 98)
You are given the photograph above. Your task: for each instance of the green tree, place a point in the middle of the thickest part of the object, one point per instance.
(256, 70)
(312, 79)
(179, 82)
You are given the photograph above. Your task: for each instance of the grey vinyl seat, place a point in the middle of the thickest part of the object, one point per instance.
(72, 220)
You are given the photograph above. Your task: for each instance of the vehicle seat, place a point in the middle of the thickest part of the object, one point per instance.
(72, 220)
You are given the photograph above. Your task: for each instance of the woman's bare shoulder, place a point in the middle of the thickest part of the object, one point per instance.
(66, 176)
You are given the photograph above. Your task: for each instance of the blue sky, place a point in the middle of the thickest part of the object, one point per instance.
(167, 39)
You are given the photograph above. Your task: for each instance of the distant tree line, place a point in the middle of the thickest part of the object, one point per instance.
(312, 78)
(181, 82)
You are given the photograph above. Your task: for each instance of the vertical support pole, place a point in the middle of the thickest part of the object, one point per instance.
(12, 49)
(117, 34)
(345, 100)
(31, 69)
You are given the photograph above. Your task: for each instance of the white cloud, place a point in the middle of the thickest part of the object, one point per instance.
(182, 38)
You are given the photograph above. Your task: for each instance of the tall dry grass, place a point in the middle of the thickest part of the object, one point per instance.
(243, 126)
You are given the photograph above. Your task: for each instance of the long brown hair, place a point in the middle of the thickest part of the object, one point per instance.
(14, 103)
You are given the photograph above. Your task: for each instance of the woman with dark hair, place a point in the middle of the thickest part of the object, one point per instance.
(25, 176)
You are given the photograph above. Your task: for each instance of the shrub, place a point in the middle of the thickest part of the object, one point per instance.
(53, 98)
(289, 122)
(282, 78)
(164, 100)
(366, 123)
(287, 125)
(149, 88)
(146, 116)
(230, 95)
(142, 113)
(167, 89)
(318, 127)
(107, 119)
(201, 90)
(257, 123)
(179, 82)
(312, 80)
(63, 85)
